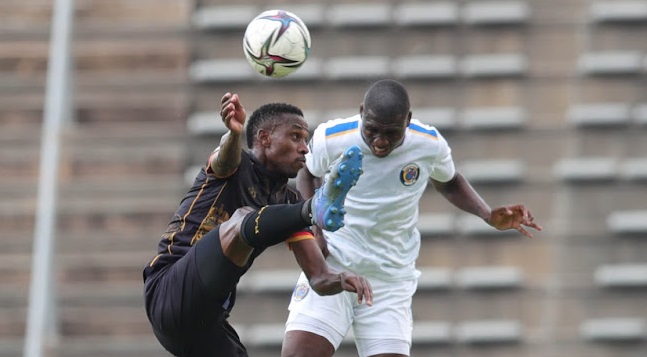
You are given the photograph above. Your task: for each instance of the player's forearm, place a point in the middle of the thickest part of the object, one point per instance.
(461, 194)
(310, 259)
(229, 155)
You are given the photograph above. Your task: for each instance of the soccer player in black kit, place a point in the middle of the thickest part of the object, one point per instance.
(239, 205)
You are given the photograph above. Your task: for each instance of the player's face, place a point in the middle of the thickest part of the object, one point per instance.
(383, 135)
(286, 152)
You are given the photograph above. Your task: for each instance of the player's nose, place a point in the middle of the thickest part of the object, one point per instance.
(303, 149)
(380, 141)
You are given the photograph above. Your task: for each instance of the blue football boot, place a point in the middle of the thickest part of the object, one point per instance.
(328, 201)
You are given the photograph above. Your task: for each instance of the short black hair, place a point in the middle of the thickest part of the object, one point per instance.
(268, 116)
(387, 98)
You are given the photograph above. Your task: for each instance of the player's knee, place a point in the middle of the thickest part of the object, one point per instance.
(240, 213)
(231, 241)
(232, 227)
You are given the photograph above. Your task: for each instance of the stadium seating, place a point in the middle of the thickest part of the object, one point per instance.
(127, 131)
(533, 115)
(614, 329)
(542, 101)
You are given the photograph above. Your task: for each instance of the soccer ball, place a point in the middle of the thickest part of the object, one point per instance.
(276, 43)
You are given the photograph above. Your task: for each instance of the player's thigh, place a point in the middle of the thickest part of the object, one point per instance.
(178, 302)
(298, 343)
(218, 274)
(174, 304)
(385, 327)
(325, 319)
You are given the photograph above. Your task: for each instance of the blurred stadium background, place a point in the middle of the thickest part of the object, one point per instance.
(543, 101)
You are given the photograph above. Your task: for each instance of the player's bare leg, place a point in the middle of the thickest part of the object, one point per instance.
(296, 341)
(233, 246)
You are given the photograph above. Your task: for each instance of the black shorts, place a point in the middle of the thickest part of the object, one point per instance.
(188, 317)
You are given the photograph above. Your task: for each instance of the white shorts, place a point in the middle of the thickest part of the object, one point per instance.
(385, 327)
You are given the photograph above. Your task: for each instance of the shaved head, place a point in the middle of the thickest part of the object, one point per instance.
(386, 99)
(385, 116)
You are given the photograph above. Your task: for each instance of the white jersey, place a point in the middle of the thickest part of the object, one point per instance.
(380, 238)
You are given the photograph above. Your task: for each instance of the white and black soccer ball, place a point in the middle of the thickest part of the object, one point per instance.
(276, 43)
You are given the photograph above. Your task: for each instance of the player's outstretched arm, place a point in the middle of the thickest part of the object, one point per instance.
(325, 281)
(461, 194)
(224, 161)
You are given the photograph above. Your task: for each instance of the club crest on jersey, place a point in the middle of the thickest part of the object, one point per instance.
(409, 174)
(300, 291)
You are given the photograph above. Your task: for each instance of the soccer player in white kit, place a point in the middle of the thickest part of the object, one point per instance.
(380, 240)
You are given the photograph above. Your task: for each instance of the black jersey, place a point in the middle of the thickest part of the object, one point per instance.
(212, 200)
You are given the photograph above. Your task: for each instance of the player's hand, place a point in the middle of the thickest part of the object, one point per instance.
(232, 113)
(359, 285)
(513, 217)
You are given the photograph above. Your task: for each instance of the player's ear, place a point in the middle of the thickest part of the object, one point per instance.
(263, 138)
(361, 109)
(409, 118)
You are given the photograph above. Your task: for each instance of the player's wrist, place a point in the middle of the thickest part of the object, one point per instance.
(487, 218)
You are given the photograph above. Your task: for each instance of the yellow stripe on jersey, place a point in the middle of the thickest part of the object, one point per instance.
(424, 131)
(342, 129)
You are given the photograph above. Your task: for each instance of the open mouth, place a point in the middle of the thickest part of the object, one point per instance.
(379, 151)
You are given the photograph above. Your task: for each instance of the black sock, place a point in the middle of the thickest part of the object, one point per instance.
(273, 224)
